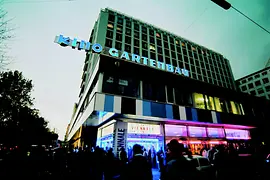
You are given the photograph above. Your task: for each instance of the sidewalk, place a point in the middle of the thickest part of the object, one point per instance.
(156, 174)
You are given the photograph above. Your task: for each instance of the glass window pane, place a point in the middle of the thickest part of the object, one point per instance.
(210, 103)
(199, 101)
(170, 94)
(217, 104)
(234, 108)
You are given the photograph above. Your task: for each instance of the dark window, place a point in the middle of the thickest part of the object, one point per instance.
(127, 48)
(173, 54)
(257, 83)
(167, 60)
(109, 34)
(128, 40)
(108, 43)
(165, 38)
(119, 29)
(155, 92)
(128, 24)
(151, 32)
(159, 42)
(160, 58)
(118, 45)
(115, 84)
(111, 17)
(128, 31)
(250, 78)
(265, 80)
(264, 73)
(136, 51)
(120, 20)
(144, 29)
(159, 49)
(257, 76)
(267, 88)
(136, 34)
(244, 88)
(223, 105)
(182, 97)
(118, 37)
(152, 55)
(152, 40)
(260, 91)
(166, 45)
(136, 42)
(253, 93)
(144, 37)
(174, 63)
(144, 53)
(144, 45)
(136, 27)
(170, 94)
(172, 47)
(167, 52)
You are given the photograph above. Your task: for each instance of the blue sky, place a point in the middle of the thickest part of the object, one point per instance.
(56, 71)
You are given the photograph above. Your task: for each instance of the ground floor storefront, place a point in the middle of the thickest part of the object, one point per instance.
(154, 136)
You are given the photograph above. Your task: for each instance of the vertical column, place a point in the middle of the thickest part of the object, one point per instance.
(120, 137)
(100, 82)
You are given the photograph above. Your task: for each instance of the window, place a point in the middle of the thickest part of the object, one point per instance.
(128, 40)
(250, 78)
(267, 88)
(170, 94)
(108, 43)
(127, 48)
(209, 102)
(152, 40)
(144, 53)
(160, 58)
(128, 24)
(151, 32)
(110, 26)
(257, 76)
(136, 51)
(144, 29)
(264, 73)
(118, 45)
(155, 92)
(260, 91)
(265, 80)
(199, 101)
(144, 37)
(152, 47)
(119, 29)
(136, 34)
(136, 42)
(258, 83)
(234, 107)
(157, 35)
(120, 20)
(159, 42)
(152, 55)
(136, 27)
(182, 97)
(176, 42)
(159, 49)
(128, 31)
(244, 88)
(144, 45)
(118, 37)
(167, 52)
(218, 105)
(111, 17)
(253, 93)
(250, 86)
(223, 105)
(120, 85)
(109, 34)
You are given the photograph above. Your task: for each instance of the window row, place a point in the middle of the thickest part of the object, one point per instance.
(257, 76)
(255, 84)
(159, 92)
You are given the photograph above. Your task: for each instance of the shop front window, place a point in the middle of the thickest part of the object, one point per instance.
(199, 101)
(155, 92)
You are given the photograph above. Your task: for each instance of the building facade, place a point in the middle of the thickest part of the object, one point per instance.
(256, 84)
(142, 84)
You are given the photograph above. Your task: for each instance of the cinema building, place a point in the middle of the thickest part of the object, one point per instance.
(141, 84)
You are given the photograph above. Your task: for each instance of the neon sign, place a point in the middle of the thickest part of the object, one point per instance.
(136, 128)
(97, 48)
(237, 134)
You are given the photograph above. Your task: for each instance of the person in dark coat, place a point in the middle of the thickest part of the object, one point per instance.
(138, 168)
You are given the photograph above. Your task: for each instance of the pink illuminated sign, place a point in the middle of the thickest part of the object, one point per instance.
(197, 131)
(237, 134)
(215, 132)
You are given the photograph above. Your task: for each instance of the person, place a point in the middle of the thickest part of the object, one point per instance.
(178, 167)
(160, 155)
(138, 168)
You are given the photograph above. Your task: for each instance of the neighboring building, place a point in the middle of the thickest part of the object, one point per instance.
(268, 63)
(149, 86)
(256, 84)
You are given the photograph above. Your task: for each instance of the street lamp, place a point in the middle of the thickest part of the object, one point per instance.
(226, 5)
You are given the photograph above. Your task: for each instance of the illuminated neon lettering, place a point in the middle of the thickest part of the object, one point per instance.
(113, 52)
(161, 65)
(152, 63)
(125, 56)
(145, 60)
(169, 67)
(136, 58)
(97, 48)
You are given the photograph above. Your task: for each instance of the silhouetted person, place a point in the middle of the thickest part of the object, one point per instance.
(160, 155)
(138, 168)
(178, 167)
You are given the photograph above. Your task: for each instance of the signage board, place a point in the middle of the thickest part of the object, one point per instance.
(215, 132)
(107, 130)
(137, 128)
(196, 131)
(237, 134)
(97, 48)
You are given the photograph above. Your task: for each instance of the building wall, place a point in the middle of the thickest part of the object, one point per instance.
(256, 84)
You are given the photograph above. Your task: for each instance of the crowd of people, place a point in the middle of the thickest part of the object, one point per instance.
(99, 164)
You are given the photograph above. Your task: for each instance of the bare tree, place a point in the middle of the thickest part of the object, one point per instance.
(5, 35)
